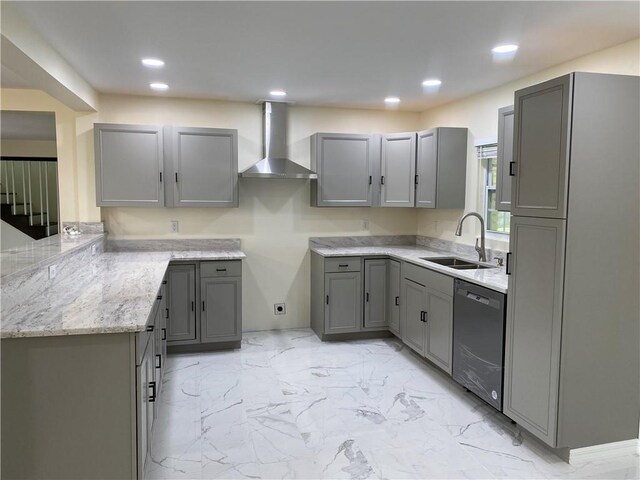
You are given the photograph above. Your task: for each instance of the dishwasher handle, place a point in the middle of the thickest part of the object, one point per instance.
(469, 295)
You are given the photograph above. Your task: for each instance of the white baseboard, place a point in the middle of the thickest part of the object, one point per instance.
(607, 450)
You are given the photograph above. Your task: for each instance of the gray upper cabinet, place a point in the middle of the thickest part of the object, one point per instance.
(541, 149)
(439, 321)
(441, 168)
(343, 297)
(505, 158)
(532, 346)
(201, 167)
(414, 306)
(345, 167)
(181, 298)
(375, 294)
(221, 306)
(397, 170)
(393, 298)
(129, 165)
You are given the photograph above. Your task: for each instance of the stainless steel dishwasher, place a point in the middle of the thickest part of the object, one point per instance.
(478, 340)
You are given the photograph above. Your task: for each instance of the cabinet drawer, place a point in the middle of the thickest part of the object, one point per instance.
(342, 264)
(221, 269)
(430, 279)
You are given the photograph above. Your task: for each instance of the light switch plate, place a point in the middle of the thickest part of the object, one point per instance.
(53, 271)
(365, 224)
(94, 249)
(174, 226)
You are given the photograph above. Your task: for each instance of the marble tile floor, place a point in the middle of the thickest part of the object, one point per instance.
(289, 406)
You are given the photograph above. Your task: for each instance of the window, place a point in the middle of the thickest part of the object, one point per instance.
(497, 222)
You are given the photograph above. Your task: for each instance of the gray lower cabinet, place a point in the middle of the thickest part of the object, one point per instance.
(204, 302)
(505, 158)
(398, 170)
(146, 392)
(345, 167)
(220, 319)
(427, 314)
(375, 294)
(129, 165)
(393, 297)
(441, 167)
(201, 166)
(181, 302)
(343, 296)
(414, 306)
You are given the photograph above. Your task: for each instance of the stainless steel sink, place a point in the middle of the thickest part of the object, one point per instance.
(456, 263)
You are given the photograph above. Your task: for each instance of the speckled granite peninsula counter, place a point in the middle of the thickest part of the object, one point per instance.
(83, 354)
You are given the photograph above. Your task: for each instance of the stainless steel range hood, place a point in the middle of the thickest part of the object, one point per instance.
(275, 163)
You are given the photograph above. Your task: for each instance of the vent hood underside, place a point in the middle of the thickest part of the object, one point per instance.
(278, 168)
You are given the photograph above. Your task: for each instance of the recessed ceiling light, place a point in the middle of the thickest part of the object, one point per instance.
(277, 93)
(159, 86)
(431, 82)
(505, 49)
(392, 100)
(152, 62)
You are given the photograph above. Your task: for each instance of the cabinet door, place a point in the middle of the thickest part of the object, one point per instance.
(343, 302)
(375, 294)
(393, 299)
(532, 339)
(221, 309)
(144, 411)
(452, 167)
(129, 165)
(414, 297)
(181, 300)
(505, 157)
(542, 126)
(426, 169)
(398, 170)
(202, 165)
(439, 341)
(344, 164)
(158, 359)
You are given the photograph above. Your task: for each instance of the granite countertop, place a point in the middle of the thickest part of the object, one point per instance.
(493, 278)
(16, 261)
(115, 293)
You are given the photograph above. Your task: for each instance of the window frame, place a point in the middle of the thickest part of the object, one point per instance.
(487, 187)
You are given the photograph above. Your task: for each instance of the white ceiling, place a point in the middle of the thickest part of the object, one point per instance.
(16, 125)
(324, 53)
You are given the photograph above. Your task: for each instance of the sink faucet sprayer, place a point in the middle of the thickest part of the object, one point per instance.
(482, 255)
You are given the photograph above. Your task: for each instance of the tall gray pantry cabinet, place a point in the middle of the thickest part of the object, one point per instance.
(572, 355)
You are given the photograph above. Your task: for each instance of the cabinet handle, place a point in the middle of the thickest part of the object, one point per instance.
(370, 179)
(150, 328)
(423, 316)
(343, 265)
(159, 360)
(203, 305)
(506, 269)
(166, 315)
(367, 296)
(221, 269)
(159, 297)
(327, 299)
(416, 180)
(164, 282)
(397, 301)
(382, 180)
(192, 305)
(176, 177)
(152, 386)
(164, 334)
(511, 165)
(160, 177)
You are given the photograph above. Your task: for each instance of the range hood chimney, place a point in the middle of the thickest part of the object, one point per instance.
(275, 163)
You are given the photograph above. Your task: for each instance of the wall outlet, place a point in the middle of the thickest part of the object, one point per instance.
(53, 271)
(365, 224)
(279, 309)
(94, 249)
(174, 226)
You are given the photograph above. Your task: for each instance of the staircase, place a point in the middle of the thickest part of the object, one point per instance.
(29, 195)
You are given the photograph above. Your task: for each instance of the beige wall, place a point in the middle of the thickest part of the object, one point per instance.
(480, 114)
(275, 219)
